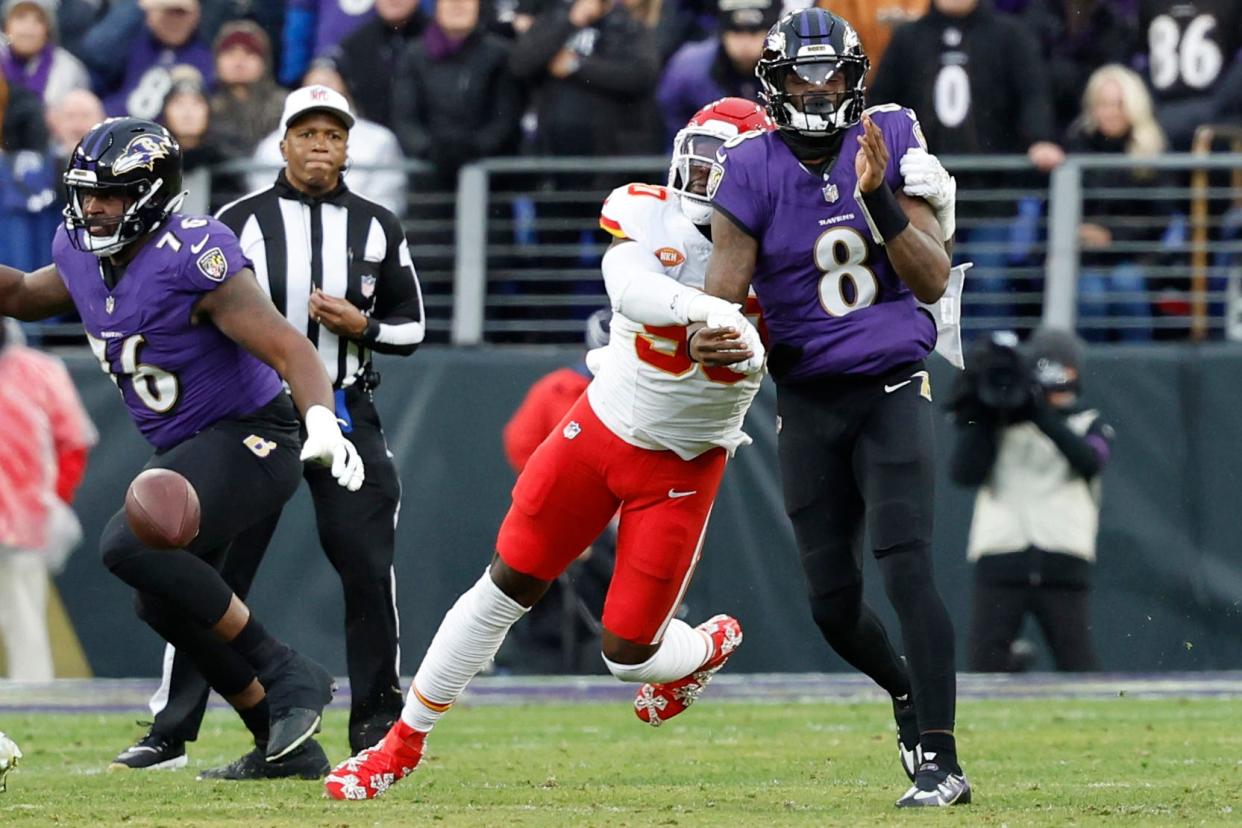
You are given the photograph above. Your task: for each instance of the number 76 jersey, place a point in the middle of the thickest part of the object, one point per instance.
(646, 389)
(176, 377)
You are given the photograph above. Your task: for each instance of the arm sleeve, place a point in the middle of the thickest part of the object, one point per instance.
(1032, 89)
(297, 39)
(632, 73)
(734, 192)
(398, 325)
(108, 39)
(533, 50)
(1086, 454)
(73, 433)
(639, 290)
(974, 453)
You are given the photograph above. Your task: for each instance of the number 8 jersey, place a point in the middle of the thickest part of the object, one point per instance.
(823, 279)
(176, 377)
(646, 389)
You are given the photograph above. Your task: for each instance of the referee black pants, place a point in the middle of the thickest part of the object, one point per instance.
(357, 531)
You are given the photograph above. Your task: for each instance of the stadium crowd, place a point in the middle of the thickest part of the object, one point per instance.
(454, 81)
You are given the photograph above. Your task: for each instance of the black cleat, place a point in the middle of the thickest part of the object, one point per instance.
(936, 787)
(907, 734)
(298, 690)
(305, 762)
(152, 752)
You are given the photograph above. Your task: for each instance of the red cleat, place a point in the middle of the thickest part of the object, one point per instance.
(376, 769)
(656, 703)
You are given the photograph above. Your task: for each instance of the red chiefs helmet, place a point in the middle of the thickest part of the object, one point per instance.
(694, 149)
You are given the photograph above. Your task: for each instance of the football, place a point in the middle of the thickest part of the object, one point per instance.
(162, 509)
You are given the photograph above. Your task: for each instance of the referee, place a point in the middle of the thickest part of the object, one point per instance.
(338, 266)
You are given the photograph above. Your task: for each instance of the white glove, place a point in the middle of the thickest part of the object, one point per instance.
(750, 338)
(327, 446)
(701, 306)
(926, 178)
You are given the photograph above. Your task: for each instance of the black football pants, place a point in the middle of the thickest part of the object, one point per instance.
(858, 453)
(243, 470)
(357, 531)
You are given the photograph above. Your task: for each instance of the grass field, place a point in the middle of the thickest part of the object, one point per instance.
(1122, 761)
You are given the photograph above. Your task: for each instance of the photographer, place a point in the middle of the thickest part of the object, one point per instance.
(1036, 455)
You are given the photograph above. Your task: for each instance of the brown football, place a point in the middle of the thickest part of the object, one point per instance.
(162, 509)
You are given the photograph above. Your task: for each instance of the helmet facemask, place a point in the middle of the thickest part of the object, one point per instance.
(694, 153)
(139, 215)
(816, 98)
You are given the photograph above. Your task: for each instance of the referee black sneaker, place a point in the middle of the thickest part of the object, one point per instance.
(152, 752)
(936, 786)
(907, 734)
(307, 761)
(298, 690)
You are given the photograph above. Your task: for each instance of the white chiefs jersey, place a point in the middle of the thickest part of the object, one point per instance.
(646, 389)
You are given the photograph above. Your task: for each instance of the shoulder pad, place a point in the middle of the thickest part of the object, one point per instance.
(629, 210)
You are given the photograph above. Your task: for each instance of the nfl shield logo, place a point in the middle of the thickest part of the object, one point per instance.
(830, 193)
(368, 286)
(571, 430)
(109, 304)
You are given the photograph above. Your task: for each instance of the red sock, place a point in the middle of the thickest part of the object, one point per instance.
(404, 742)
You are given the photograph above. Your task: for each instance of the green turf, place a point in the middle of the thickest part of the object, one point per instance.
(1123, 761)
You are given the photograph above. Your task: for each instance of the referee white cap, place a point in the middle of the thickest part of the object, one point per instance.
(316, 99)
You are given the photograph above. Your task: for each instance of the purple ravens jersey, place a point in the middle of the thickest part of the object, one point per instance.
(176, 377)
(824, 284)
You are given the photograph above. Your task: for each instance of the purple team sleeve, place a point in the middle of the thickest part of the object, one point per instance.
(733, 190)
(212, 254)
(901, 132)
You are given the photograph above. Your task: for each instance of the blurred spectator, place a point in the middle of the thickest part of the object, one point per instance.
(561, 633)
(187, 114)
(45, 435)
(593, 69)
(454, 99)
(368, 58)
(1188, 47)
(247, 103)
(313, 28)
(31, 58)
(21, 119)
(979, 86)
(27, 181)
(375, 159)
(1077, 37)
(721, 67)
(874, 20)
(1035, 453)
(1117, 118)
(153, 37)
(74, 18)
(69, 120)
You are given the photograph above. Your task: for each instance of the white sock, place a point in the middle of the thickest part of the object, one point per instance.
(683, 650)
(469, 636)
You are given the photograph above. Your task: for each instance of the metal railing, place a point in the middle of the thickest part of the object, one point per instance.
(512, 255)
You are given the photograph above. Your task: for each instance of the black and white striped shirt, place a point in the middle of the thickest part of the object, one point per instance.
(344, 245)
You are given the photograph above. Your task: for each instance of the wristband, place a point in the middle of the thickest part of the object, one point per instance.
(884, 215)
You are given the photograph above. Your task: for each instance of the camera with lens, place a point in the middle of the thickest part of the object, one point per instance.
(997, 381)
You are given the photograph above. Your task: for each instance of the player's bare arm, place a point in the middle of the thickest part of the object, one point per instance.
(32, 296)
(917, 252)
(244, 313)
(729, 272)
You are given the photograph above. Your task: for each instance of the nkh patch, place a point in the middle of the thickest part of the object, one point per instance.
(714, 179)
(213, 265)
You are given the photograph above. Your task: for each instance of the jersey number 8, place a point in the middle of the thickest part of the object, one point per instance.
(847, 284)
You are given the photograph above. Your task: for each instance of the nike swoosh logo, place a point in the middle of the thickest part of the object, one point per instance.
(888, 389)
(675, 493)
(195, 248)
